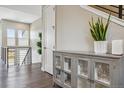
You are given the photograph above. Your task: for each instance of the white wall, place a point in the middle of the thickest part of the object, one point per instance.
(0, 38)
(35, 29)
(72, 29)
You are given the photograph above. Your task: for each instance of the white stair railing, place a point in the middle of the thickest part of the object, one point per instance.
(16, 56)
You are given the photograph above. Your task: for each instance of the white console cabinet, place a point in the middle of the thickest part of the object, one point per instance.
(88, 70)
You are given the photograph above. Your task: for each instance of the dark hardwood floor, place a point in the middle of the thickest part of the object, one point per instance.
(29, 76)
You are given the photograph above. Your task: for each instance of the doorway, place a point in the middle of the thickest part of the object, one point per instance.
(49, 38)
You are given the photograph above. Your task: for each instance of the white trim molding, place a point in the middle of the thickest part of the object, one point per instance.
(103, 14)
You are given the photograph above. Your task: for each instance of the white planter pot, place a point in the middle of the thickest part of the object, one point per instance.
(100, 47)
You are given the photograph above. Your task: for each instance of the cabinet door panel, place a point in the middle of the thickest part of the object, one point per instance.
(83, 67)
(83, 72)
(102, 72)
(58, 60)
(83, 83)
(67, 63)
(58, 75)
(67, 67)
(57, 65)
(67, 79)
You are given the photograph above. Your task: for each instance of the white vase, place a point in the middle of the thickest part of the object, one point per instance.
(100, 47)
(117, 47)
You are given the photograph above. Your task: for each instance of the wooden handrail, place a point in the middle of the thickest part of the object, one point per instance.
(117, 11)
(116, 6)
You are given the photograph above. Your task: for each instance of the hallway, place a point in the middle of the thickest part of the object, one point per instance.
(29, 76)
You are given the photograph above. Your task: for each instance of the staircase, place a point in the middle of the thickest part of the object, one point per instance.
(17, 56)
(117, 12)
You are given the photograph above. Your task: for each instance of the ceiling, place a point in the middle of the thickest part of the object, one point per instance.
(21, 13)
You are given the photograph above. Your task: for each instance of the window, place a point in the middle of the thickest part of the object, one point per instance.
(17, 37)
(23, 38)
(11, 33)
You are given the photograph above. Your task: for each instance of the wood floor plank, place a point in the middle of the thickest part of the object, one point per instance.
(29, 76)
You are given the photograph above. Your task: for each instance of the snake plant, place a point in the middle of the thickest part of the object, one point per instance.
(98, 29)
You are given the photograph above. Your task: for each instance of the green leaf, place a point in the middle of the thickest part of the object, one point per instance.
(39, 51)
(40, 36)
(39, 44)
(106, 27)
(93, 35)
(95, 30)
(98, 30)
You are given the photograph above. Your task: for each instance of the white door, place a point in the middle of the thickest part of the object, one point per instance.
(49, 38)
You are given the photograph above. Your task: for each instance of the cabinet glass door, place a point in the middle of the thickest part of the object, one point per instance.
(58, 74)
(58, 62)
(67, 59)
(83, 73)
(67, 79)
(102, 72)
(83, 67)
(67, 64)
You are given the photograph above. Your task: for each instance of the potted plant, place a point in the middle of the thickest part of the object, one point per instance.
(39, 44)
(98, 31)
